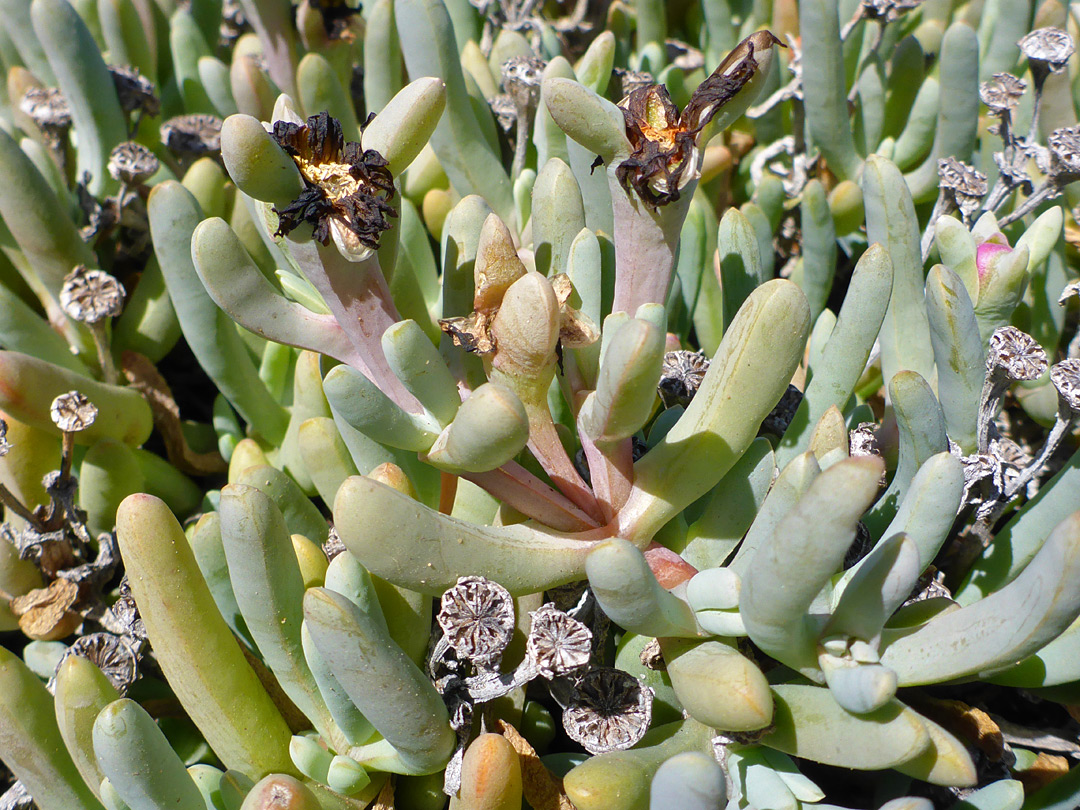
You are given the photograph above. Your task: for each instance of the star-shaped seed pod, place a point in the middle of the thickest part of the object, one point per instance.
(1016, 353)
(1047, 50)
(91, 296)
(681, 376)
(1002, 93)
(72, 412)
(117, 659)
(966, 185)
(1065, 377)
(477, 618)
(665, 143)
(132, 163)
(558, 644)
(198, 134)
(347, 189)
(608, 710)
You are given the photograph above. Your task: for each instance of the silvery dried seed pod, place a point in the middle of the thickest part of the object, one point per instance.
(862, 441)
(1071, 290)
(346, 188)
(47, 107)
(132, 163)
(72, 412)
(681, 376)
(521, 78)
(477, 618)
(91, 296)
(1013, 173)
(5, 445)
(197, 134)
(504, 109)
(557, 643)
(984, 483)
(17, 797)
(1002, 93)
(1016, 353)
(887, 10)
(631, 80)
(1047, 50)
(1066, 379)
(608, 710)
(1064, 146)
(134, 91)
(126, 613)
(963, 183)
(117, 659)
(333, 545)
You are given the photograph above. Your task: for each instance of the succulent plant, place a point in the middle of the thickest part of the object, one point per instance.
(594, 404)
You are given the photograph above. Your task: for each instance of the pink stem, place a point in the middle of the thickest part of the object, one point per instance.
(359, 299)
(549, 451)
(611, 469)
(517, 487)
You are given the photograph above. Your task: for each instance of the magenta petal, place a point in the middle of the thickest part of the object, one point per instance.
(985, 253)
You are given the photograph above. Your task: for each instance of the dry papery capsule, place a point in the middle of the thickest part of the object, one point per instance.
(477, 618)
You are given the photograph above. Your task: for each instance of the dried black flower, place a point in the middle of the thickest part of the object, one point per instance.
(557, 643)
(91, 296)
(346, 188)
(198, 134)
(779, 418)
(477, 618)
(132, 163)
(337, 17)
(664, 142)
(681, 376)
(72, 412)
(608, 710)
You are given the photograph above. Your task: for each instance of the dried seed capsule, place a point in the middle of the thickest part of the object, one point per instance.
(197, 134)
(1066, 379)
(964, 183)
(134, 91)
(1064, 146)
(779, 418)
(557, 643)
(47, 107)
(113, 655)
(521, 78)
(681, 376)
(1047, 49)
(477, 617)
(5, 445)
(504, 109)
(1002, 93)
(91, 296)
(608, 710)
(72, 412)
(887, 10)
(132, 163)
(1015, 353)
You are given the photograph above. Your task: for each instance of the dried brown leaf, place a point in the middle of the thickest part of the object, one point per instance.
(147, 380)
(45, 613)
(543, 789)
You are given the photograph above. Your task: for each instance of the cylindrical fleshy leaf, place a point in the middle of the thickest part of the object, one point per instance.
(717, 685)
(490, 428)
(194, 647)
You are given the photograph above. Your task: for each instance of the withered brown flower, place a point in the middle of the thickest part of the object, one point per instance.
(665, 143)
(346, 188)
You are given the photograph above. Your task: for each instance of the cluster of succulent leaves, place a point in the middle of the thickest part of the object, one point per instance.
(490, 402)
